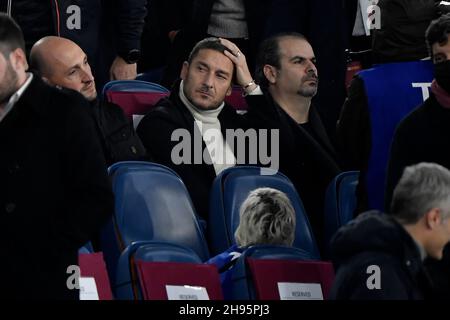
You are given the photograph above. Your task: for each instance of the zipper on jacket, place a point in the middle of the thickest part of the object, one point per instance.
(58, 30)
(8, 8)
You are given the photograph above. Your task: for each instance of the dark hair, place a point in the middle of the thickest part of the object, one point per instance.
(211, 43)
(207, 43)
(11, 36)
(269, 53)
(438, 31)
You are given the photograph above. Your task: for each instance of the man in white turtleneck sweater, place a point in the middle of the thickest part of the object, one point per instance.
(196, 111)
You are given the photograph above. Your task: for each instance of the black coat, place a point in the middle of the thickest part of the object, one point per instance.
(354, 137)
(191, 18)
(54, 191)
(155, 131)
(402, 33)
(117, 136)
(375, 239)
(423, 137)
(108, 27)
(309, 162)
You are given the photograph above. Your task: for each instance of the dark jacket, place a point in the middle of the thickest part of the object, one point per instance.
(375, 239)
(309, 162)
(155, 131)
(107, 27)
(117, 136)
(354, 137)
(402, 33)
(191, 18)
(423, 137)
(54, 191)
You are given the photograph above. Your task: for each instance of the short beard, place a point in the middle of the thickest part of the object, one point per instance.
(8, 83)
(307, 92)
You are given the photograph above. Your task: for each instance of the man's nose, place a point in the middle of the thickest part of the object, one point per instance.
(208, 80)
(311, 67)
(87, 76)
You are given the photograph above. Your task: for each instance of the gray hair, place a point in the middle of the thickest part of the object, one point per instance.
(266, 217)
(422, 187)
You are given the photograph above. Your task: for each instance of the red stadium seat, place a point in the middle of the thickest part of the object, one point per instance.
(267, 274)
(93, 265)
(154, 276)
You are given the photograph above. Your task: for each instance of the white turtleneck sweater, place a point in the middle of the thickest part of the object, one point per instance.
(208, 123)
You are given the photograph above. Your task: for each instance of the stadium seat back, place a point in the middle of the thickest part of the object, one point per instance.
(393, 90)
(151, 203)
(231, 187)
(241, 285)
(340, 202)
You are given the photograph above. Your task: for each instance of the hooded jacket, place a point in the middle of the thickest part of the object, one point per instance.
(376, 259)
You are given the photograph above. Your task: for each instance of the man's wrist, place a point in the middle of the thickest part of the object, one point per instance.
(249, 87)
(131, 56)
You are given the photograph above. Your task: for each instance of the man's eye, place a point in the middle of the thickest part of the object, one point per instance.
(72, 72)
(438, 59)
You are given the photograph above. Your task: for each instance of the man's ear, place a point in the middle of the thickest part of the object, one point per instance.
(433, 218)
(18, 59)
(230, 89)
(184, 70)
(270, 72)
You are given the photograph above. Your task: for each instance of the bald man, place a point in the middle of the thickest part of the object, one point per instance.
(61, 62)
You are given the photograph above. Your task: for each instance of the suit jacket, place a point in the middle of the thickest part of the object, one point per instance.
(309, 162)
(54, 191)
(117, 136)
(155, 131)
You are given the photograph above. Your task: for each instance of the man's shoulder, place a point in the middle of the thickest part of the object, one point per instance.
(416, 118)
(55, 100)
(163, 116)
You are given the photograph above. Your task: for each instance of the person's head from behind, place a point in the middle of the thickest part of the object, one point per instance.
(61, 62)
(13, 62)
(437, 37)
(207, 75)
(421, 202)
(286, 65)
(266, 217)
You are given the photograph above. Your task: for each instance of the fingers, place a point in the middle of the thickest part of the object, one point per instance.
(231, 46)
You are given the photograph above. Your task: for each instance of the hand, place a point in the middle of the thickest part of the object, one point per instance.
(172, 34)
(243, 75)
(121, 70)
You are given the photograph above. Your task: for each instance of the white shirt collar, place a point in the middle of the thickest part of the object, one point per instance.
(15, 97)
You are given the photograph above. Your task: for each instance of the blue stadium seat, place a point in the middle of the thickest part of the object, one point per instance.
(241, 284)
(393, 90)
(231, 187)
(133, 86)
(154, 75)
(87, 248)
(151, 204)
(340, 202)
(126, 282)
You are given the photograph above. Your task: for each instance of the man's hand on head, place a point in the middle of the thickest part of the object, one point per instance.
(243, 75)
